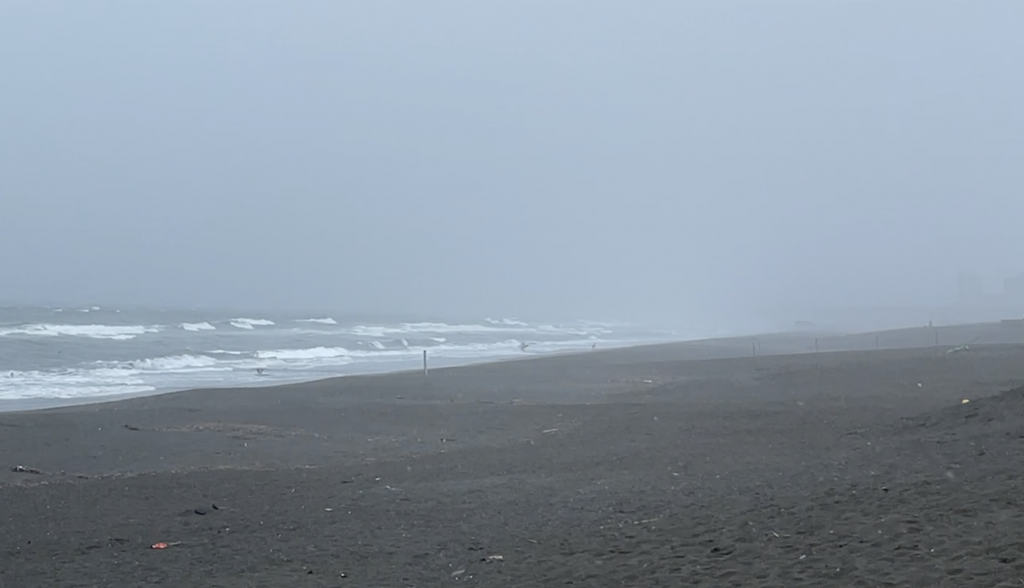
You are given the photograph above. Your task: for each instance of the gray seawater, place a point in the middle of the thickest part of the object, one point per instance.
(84, 354)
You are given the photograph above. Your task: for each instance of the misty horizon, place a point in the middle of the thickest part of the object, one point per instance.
(659, 161)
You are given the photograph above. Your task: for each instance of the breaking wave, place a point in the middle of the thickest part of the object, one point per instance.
(176, 363)
(492, 328)
(248, 323)
(175, 350)
(507, 321)
(322, 321)
(310, 353)
(113, 332)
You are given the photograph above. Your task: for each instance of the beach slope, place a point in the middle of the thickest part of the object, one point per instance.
(690, 464)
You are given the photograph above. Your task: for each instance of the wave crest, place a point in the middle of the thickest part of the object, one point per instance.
(323, 321)
(113, 332)
(248, 323)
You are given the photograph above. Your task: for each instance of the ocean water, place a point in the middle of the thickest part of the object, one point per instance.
(85, 354)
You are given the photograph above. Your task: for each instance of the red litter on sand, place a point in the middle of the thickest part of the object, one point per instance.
(162, 545)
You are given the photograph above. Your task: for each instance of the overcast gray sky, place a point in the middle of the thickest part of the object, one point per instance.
(587, 158)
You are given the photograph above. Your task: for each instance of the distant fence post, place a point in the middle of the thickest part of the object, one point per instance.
(815, 344)
(936, 337)
(424, 362)
(753, 348)
(876, 340)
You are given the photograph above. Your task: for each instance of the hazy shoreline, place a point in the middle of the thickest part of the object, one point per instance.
(42, 404)
(771, 343)
(634, 466)
(46, 353)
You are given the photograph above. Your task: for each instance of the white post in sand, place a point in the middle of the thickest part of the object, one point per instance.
(424, 362)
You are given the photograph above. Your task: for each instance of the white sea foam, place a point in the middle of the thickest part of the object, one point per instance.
(62, 390)
(300, 354)
(507, 321)
(284, 355)
(493, 327)
(433, 328)
(378, 351)
(83, 383)
(177, 363)
(604, 324)
(369, 331)
(248, 323)
(462, 328)
(114, 332)
(239, 368)
(322, 321)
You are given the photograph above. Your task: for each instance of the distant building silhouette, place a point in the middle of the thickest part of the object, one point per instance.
(970, 289)
(1013, 288)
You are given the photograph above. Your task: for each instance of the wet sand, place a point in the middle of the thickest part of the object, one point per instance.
(674, 465)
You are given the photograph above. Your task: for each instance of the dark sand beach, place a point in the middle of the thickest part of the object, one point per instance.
(675, 465)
